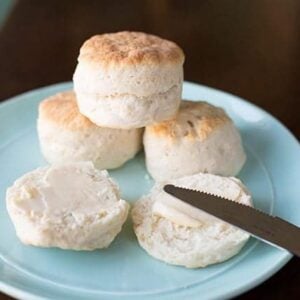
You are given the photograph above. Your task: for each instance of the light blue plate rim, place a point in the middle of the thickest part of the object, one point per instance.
(17, 292)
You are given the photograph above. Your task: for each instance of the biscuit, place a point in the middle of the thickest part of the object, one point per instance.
(70, 206)
(201, 138)
(168, 239)
(67, 136)
(128, 79)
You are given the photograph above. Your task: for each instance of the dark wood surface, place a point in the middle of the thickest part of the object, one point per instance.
(249, 48)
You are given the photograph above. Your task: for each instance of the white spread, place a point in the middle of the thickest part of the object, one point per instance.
(180, 212)
(77, 188)
(183, 214)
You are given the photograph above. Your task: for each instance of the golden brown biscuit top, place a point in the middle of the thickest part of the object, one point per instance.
(62, 110)
(195, 120)
(129, 48)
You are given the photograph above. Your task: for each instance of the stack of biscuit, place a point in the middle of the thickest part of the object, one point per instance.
(124, 82)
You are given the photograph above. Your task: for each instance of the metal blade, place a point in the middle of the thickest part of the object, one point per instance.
(270, 229)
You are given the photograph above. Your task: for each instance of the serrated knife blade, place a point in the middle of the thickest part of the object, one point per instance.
(273, 230)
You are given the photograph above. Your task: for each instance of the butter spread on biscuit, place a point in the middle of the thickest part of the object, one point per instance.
(68, 188)
(184, 214)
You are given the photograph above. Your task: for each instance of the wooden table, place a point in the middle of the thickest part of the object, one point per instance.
(249, 48)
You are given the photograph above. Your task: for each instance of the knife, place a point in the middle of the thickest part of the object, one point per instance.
(273, 230)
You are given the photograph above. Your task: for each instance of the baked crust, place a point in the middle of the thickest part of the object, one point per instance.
(129, 48)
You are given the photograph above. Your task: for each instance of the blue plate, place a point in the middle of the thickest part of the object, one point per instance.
(124, 270)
